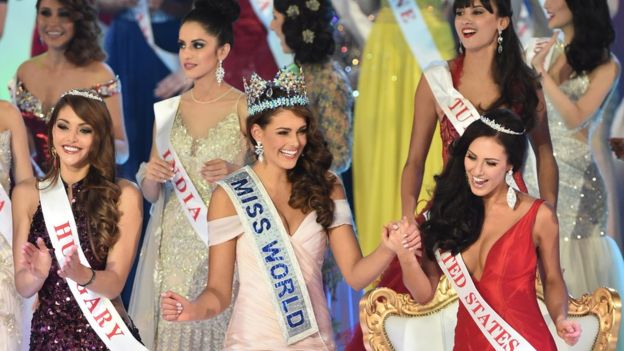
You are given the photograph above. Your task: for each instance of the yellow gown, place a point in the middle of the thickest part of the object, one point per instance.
(383, 120)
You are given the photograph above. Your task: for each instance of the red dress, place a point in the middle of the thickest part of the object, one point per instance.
(508, 285)
(392, 277)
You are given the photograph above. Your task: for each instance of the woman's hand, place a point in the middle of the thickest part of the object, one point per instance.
(174, 83)
(617, 145)
(37, 259)
(158, 170)
(569, 331)
(403, 235)
(73, 269)
(541, 51)
(175, 308)
(217, 169)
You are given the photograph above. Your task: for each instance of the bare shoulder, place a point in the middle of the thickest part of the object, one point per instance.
(338, 191)
(220, 205)
(129, 191)
(9, 115)
(546, 216)
(29, 67)
(100, 71)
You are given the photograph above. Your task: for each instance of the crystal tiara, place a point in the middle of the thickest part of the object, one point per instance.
(261, 94)
(498, 127)
(90, 94)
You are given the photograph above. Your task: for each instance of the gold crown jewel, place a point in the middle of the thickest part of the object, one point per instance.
(90, 94)
(260, 93)
(498, 127)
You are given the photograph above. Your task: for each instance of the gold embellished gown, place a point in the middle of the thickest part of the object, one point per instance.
(179, 258)
(10, 301)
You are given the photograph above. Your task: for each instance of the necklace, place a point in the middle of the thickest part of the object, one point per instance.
(209, 101)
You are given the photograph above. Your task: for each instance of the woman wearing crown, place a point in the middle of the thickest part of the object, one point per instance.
(273, 220)
(76, 232)
(198, 140)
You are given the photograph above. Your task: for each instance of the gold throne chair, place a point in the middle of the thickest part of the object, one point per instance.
(392, 321)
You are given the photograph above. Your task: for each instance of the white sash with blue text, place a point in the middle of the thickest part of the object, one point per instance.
(263, 226)
(194, 207)
(415, 31)
(496, 330)
(97, 309)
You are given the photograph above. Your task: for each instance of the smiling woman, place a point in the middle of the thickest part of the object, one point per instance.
(74, 60)
(97, 220)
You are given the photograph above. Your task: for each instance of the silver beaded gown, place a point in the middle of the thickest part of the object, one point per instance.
(181, 257)
(589, 257)
(10, 301)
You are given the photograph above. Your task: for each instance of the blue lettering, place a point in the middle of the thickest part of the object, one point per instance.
(287, 287)
(262, 226)
(288, 301)
(254, 210)
(273, 252)
(276, 269)
(295, 319)
(249, 199)
(238, 187)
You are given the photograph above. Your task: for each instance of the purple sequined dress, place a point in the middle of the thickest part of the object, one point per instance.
(58, 322)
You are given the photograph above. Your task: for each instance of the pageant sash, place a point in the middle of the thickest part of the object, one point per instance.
(6, 220)
(496, 330)
(415, 31)
(459, 111)
(264, 11)
(142, 16)
(291, 300)
(97, 309)
(194, 207)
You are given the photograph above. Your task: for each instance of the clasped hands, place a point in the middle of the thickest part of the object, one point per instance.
(402, 237)
(160, 171)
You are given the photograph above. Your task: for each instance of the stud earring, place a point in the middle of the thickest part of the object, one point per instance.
(500, 42)
(220, 72)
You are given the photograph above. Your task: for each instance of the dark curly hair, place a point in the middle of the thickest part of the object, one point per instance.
(456, 214)
(84, 47)
(312, 184)
(593, 35)
(517, 81)
(216, 17)
(308, 17)
(100, 195)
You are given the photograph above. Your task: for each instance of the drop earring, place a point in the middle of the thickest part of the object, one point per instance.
(259, 151)
(512, 198)
(500, 42)
(220, 72)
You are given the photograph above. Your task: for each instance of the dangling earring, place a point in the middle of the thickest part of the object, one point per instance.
(259, 151)
(511, 193)
(461, 49)
(220, 72)
(500, 42)
(54, 156)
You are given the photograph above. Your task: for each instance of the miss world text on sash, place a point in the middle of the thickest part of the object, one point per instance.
(291, 300)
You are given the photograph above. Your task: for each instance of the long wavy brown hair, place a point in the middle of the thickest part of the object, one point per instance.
(84, 47)
(312, 184)
(100, 195)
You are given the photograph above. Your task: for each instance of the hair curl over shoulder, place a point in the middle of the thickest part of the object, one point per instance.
(593, 35)
(312, 183)
(313, 16)
(84, 47)
(100, 195)
(517, 81)
(456, 214)
(216, 17)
